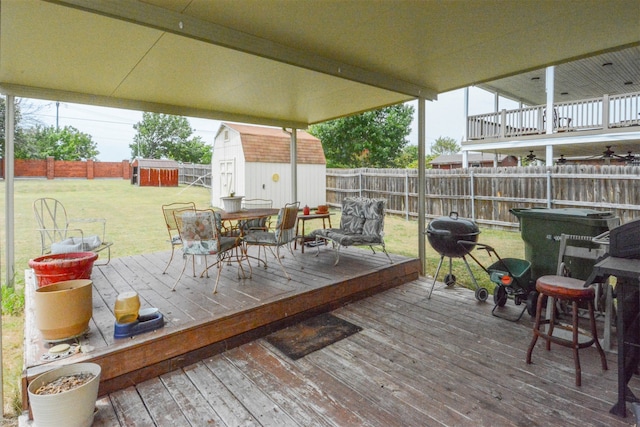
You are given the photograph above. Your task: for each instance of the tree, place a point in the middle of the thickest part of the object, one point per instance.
(67, 143)
(16, 123)
(370, 139)
(166, 136)
(445, 145)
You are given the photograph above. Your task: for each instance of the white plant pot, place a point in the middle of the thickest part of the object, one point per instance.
(232, 204)
(72, 408)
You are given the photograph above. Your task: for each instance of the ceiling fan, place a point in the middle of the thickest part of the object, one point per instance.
(630, 158)
(561, 160)
(532, 157)
(609, 154)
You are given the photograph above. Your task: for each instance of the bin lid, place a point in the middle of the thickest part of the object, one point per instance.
(562, 213)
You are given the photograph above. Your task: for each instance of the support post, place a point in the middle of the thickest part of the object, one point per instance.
(421, 183)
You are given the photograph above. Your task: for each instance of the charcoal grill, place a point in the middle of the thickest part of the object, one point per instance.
(454, 237)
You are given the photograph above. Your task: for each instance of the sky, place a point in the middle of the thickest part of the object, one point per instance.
(112, 129)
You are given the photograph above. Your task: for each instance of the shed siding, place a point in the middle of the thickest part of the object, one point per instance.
(269, 149)
(151, 177)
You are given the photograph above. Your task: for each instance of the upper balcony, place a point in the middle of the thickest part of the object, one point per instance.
(596, 114)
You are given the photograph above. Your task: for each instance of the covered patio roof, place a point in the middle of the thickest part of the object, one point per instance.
(289, 63)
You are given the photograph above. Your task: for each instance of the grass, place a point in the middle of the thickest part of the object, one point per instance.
(136, 225)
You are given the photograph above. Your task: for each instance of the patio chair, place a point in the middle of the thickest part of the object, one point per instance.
(59, 234)
(259, 223)
(283, 235)
(172, 228)
(200, 236)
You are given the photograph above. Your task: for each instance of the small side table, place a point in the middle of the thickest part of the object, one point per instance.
(304, 218)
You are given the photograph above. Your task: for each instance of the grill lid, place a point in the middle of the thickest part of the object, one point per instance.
(452, 226)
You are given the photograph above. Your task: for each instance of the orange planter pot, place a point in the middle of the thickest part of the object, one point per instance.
(51, 269)
(63, 310)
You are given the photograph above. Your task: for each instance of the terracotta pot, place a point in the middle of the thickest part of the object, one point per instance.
(59, 267)
(63, 310)
(75, 407)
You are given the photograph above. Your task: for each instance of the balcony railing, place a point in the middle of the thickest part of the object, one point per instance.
(602, 113)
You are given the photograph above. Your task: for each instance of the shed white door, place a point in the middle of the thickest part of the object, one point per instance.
(227, 177)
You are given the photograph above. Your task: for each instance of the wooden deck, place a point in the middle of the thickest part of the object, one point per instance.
(417, 362)
(199, 323)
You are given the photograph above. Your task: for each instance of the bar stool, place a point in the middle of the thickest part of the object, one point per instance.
(573, 291)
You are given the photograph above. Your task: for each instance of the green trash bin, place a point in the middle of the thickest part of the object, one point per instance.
(541, 229)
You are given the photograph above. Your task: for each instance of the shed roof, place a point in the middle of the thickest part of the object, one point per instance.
(267, 144)
(156, 163)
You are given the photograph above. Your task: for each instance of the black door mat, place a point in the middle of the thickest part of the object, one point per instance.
(312, 334)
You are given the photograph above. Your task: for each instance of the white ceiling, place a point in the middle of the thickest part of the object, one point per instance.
(611, 73)
(286, 62)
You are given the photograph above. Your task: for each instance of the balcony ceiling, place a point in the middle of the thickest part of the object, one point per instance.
(610, 73)
(290, 63)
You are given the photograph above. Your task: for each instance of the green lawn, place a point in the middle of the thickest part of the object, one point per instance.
(135, 224)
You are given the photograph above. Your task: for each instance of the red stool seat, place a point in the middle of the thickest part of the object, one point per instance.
(573, 291)
(564, 288)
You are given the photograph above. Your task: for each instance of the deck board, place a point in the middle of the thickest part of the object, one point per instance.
(443, 361)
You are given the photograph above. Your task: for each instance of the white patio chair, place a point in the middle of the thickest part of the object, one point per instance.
(59, 234)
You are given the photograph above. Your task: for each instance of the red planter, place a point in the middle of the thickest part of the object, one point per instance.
(59, 267)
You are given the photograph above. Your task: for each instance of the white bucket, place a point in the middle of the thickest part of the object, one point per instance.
(72, 408)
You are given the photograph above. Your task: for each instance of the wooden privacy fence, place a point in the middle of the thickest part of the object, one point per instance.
(488, 194)
(195, 174)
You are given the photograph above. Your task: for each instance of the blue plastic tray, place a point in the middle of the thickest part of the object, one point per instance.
(127, 330)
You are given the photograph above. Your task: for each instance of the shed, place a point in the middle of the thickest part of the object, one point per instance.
(154, 173)
(255, 162)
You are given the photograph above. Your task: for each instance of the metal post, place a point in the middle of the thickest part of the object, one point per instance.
(294, 165)
(10, 115)
(421, 183)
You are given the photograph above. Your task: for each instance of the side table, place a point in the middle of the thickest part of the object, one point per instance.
(304, 218)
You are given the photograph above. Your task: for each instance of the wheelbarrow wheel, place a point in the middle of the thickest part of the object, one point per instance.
(500, 296)
(482, 294)
(532, 303)
(450, 280)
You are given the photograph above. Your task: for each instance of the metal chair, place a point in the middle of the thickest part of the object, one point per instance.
(283, 235)
(263, 224)
(168, 212)
(58, 235)
(200, 237)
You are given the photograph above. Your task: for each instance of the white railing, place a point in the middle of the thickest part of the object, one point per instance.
(584, 114)
(624, 110)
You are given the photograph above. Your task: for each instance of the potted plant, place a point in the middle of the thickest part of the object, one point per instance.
(65, 396)
(232, 203)
(55, 268)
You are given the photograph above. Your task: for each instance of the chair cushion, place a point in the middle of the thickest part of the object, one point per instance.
(260, 237)
(76, 244)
